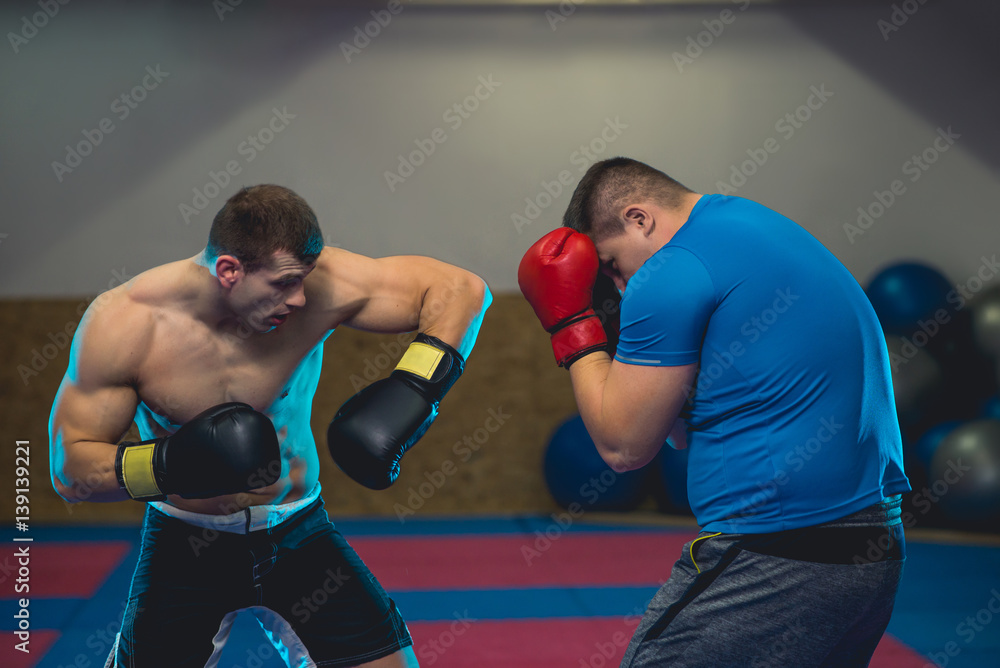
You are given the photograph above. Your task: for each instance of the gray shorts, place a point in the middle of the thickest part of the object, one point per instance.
(820, 596)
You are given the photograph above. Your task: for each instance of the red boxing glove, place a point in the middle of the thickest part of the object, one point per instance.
(557, 277)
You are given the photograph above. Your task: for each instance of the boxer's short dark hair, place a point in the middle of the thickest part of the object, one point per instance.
(259, 220)
(609, 185)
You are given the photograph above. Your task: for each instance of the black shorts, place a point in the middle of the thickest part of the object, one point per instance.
(307, 587)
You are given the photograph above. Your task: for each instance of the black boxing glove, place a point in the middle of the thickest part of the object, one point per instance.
(374, 428)
(607, 306)
(227, 449)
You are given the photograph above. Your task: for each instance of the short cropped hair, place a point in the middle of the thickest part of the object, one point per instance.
(260, 220)
(611, 184)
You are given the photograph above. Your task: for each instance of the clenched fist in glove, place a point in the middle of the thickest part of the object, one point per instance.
(557, 277)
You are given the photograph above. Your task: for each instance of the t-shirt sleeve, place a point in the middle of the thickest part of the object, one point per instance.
(665, 310)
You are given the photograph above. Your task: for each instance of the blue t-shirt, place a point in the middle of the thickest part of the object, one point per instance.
(791, 422)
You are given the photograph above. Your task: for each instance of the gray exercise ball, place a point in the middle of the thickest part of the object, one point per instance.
(965, 472)
(916, 377)
(986, 321)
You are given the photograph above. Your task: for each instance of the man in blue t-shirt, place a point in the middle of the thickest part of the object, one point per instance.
(744, 339)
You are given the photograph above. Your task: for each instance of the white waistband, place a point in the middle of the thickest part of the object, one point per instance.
(254, 518)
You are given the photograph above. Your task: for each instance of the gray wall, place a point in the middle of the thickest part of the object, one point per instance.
(119, 211)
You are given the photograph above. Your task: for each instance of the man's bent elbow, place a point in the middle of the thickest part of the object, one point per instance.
(67, 493)
(625, 459)
(78, 482)
(61, 480)
(478, 292)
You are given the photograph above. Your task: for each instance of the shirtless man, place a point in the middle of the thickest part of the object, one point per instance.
(216, 358)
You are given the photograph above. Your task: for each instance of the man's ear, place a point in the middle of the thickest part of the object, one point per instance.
(640, 216)
(229, 270)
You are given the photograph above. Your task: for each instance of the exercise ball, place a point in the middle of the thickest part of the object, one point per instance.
(986, 321)
(576, 474)
(906, 294)
(927, 445)
(991, 407)
(965, 472)
(916, 379)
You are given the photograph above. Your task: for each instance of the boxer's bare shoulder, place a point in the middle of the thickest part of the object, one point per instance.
(118, 326)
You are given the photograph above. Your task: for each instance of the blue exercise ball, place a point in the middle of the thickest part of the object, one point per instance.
(991, 407)
(906, 294)
(927, 444)
(576, 474)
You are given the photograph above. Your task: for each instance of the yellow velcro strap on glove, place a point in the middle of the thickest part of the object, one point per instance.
(137, 471)
(421, 360)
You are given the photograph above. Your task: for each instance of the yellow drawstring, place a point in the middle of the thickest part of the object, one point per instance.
(691, 549)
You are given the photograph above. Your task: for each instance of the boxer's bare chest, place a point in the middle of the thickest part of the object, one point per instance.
(187, 367)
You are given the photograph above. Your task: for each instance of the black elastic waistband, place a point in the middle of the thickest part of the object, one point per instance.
(832, 545)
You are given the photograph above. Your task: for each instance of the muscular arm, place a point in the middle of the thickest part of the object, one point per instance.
(95, 404)
(629, 410)
(406, 293)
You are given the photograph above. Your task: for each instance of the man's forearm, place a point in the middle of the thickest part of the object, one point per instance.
(453, 310)
(589, 375)
(87, 473)
(625, 436)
